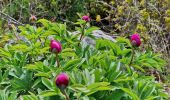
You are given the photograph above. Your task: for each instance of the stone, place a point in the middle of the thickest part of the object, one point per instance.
(97, 34)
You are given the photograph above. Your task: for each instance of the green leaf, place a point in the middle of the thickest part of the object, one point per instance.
(31, 67)
(125, 51)
(123, 79)
(72, 64)
(123, 40)
(100, 86)
(48, 93)
(139, 68)
(47, 83)
(117, 95)
(68, 52)
(96, 85)
(44, 22)
(42, 74)
(152, 97)
(30, 97)
(80, 22)
(79, 88)
(130, 93)
(4, 53)
(91, 29)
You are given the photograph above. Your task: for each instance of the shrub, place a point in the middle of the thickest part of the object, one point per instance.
(106, 71)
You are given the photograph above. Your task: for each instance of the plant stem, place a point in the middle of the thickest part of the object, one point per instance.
(58, 62)
(133, 53)
(80, 39)
(66, 95)
(82, 33)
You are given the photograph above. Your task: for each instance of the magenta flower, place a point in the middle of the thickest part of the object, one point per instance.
(135, 40)
(55, 46)
(86, 18)
(62, 81)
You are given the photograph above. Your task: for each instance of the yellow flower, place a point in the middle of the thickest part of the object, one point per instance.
(98, 18)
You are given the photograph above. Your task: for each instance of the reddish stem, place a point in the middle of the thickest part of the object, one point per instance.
(81, 37)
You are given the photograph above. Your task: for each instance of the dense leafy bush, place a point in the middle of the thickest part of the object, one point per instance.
(108, 70)
(50, 9)
(32, 57)
(122, 17)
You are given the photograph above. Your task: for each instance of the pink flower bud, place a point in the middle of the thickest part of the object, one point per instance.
(86, 18)
(33, 18)
(55, 46)
(135, 40)
(62, 80)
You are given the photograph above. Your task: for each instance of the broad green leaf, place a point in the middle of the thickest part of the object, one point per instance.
(80, 22)
(47, 83)
(44, 22)
(48, 93)
(72, 64)
(123, 40)
(130, 93)
(97, 85)
(91, 29)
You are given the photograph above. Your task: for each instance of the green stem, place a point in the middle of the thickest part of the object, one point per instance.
(82, 33)
(58, 62)
(133, 53)
(66, 95)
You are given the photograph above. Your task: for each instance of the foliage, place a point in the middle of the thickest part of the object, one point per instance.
(51, 9)
(102, 72)
(122, 17)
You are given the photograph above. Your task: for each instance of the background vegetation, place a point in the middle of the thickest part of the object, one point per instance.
(28, 69)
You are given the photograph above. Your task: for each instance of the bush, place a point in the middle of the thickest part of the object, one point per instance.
(105, 71)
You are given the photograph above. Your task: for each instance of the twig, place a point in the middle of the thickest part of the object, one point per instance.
(105, 3)
(67, 21)
(12, 19)
(20, 15)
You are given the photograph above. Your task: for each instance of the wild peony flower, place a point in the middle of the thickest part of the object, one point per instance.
(135, 40)
(86, 18)
(62, 81)
(33, 18)
(55, 46)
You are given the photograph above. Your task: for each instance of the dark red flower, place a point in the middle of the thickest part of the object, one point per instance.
(135, 40)
(55, 46)
(62, 80)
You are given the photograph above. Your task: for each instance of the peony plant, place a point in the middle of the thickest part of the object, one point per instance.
(86, 18)
(135, 40)
(62, 81)
(56, 48)
(103, 72)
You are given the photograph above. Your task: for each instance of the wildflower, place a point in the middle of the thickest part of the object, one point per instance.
(33, 18)
(86, 18)
(62, 81)
(135, 40)
(55, 46)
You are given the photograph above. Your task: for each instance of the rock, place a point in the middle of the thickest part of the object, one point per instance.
(97, 34)
(101, 34)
